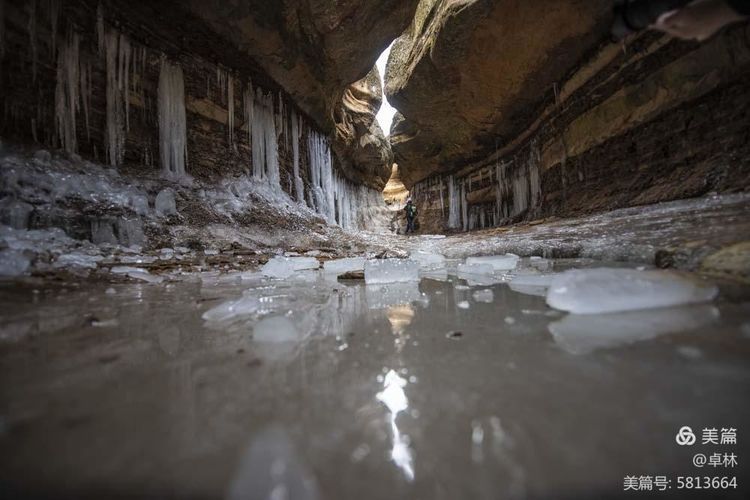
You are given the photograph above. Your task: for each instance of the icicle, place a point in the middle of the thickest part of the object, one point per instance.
(321, 174)
(248, 99)
(230, 109)
(2, 29)
(32, 36)
(115, 106)
(54, 15)
(67, 96)
(299, 186)
(172, 120)
(100, 29)
(86, 96)
(454, 214)
(123, 75)
(464, 207)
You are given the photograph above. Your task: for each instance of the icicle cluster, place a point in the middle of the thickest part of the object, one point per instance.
(321, 175)
(67, 93)
(172, 120)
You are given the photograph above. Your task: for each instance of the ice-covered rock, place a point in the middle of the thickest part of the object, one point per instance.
(505, 262)
(166, 204)
(137, 273)
(284, 267)
(233, 309)
(486, 296)
(606, 290)
(428, 261)
(391, 271)
(582, 334)
(13, 263)
(15, 214)
(342, 266)
(43, 156)
(78, 260)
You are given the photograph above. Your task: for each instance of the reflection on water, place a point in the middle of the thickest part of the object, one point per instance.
(582, 334)
(394, 398)
(285, 394)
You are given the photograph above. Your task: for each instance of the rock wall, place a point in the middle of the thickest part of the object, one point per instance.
(573, 123)
(40, 39)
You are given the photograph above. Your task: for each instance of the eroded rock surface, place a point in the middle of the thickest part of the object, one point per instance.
(469, 74)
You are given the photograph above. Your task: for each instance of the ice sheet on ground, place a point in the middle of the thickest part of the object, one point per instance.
(428, 261)
(137, 273)
(391, 271)
(605, 290)
(394, 294)
(13, 263)
(233, 309)
(342, 266)
(582, 334)
(505, 262)
(485, 296)
(284, 267)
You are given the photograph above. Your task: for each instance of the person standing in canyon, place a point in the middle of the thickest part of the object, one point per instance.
(411, 216)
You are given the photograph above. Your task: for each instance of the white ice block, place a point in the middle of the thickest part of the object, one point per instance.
(505, 262)
(284, 267)
(342, 266)
(391, 271)
(606, 290)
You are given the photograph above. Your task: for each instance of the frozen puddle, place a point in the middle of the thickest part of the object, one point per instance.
(288, 381)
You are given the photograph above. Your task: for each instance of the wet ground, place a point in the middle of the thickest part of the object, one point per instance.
(435, 390)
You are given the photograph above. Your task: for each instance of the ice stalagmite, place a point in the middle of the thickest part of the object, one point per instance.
(172, 121)
(67, 93)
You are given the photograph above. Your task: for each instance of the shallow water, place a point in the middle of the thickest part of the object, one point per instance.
(341, 391)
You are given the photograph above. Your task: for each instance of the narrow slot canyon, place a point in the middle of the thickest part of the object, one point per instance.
(402, 249)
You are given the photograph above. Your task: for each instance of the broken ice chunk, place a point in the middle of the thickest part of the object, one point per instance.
(505, 262)
(391, 271)
(536, 280)
(232, 309)
(13, 263)
(485, 296)
(605, 290)
(284, 267)
(343, 266)
(137, 273)
(165, 204)
(464, 304)
(428, 261)
(476, 269)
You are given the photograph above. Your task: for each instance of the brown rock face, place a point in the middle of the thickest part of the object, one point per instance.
(363, 151)
(315, 49)
(471, 74)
